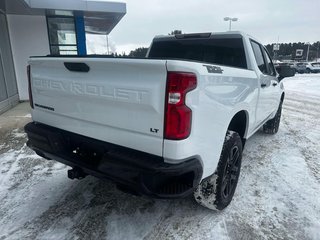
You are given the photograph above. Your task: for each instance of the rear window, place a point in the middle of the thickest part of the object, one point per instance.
(224, 51)
(315, 64)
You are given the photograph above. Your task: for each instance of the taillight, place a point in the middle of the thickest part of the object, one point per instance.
(29, 85)
(178, 116)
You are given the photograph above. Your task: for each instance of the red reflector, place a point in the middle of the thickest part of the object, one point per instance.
(29, 85)
(178, 115)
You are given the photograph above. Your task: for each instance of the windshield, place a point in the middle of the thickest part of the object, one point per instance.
(224, 51)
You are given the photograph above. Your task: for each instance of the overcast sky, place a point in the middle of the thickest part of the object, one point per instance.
(290, 20)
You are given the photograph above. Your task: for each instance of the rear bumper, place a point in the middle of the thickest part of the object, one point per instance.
(136, 171)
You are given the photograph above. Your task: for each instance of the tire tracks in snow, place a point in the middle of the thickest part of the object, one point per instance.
(308, 123)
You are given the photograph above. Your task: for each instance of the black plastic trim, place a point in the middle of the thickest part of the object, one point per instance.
(77, 67)
(140, 172)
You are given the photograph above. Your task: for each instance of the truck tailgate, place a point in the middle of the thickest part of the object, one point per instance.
(120, 101)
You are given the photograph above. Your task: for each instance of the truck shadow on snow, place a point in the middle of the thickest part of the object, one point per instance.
(92, 208)
(88, 209)
(95, 209)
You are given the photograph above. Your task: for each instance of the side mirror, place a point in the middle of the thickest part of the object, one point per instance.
(285, 71)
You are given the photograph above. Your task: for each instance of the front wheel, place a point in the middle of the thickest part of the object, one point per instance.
(216, 191)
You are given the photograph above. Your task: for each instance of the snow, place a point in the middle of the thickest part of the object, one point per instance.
(278, 195)
(18, 134)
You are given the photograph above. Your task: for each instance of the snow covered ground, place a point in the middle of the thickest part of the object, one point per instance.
(278, 195)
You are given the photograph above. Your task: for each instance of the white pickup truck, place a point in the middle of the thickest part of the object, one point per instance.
(169, 125)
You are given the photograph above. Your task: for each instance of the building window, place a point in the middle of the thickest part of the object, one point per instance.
(62, 35)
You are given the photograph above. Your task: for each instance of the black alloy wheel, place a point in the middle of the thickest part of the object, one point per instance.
(231, 172)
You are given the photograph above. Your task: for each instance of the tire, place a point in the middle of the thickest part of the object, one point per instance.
(308, 70)
(216, 191)
(272, 126)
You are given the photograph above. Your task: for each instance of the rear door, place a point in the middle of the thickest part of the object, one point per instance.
(271, 72)
(120, 101)
(265, 106)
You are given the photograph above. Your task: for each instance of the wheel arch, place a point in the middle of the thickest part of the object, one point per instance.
(239, 123)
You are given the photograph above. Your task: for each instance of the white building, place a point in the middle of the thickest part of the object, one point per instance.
(43, 27)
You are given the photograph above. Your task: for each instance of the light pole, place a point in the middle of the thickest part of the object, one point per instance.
(230, 20)
(107, 36)
(318, 52)
(308, 51)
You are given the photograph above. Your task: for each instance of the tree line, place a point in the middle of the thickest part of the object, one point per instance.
(141, 52)
(288, 51)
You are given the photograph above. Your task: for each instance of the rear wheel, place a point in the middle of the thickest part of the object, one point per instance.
(216, 191)
(272, 126)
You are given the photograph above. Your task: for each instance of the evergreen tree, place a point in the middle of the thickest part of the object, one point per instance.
(139, 52)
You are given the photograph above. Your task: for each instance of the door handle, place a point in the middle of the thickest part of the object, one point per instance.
(274, 84)
(263, 85)
(77, 67)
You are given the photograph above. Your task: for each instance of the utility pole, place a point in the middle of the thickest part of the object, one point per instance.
(107, 44)
(318, 51)
(276, 47)
(308, 51)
